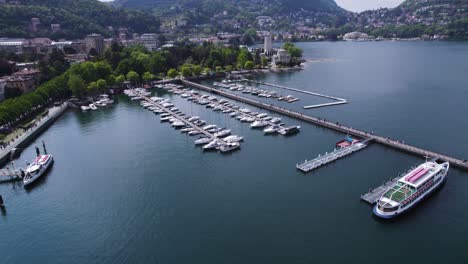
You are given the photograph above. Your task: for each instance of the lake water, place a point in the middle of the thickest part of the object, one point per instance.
(126, 188)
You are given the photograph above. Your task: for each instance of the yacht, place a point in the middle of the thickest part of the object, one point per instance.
(165, 118)
(212, 145)
(229, 147)
(223, 133)
(259, 124)
(92, 107)
(37, 168)
(289, 130)
(84, 108)
(233, 139)
(209, 127)
(178, 124)
(411, 189)
(272, 129)
(275, 120)
(194, 133)
(203, 141)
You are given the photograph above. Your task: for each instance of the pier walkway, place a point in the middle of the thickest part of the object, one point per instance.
(459, 163)
(54, 113)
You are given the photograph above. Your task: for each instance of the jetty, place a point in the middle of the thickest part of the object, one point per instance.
(395, 144)
(336, 154)
(374, 194)
(338, 100)
(19, 143)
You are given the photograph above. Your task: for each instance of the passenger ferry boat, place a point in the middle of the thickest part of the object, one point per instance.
(411, 189)
(37, 168)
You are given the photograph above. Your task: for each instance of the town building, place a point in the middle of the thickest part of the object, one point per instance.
(95, 41)
(281, 57)
(35, 22)
(61, 44)
(150, 41)
(55, 27)
(268, 45)
(2, 89)
(12, 45)
(21, 84)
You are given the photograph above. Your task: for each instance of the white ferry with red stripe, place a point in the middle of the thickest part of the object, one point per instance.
(411, 189)
(37, 168)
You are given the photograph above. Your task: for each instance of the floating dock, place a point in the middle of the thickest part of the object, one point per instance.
(10, 175)
(396, 144)
(338, 101)
(310, 165)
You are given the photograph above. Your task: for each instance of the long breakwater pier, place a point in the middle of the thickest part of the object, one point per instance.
(405, 147)
(338, 101)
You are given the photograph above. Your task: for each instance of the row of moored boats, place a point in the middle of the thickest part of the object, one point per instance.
(211, 137)
(102, 101)
(233, 86)
(269, 124)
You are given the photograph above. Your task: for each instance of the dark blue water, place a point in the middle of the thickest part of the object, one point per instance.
(126, 188)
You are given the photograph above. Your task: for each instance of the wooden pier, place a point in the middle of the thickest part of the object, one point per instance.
(336, 154)
(459, 163)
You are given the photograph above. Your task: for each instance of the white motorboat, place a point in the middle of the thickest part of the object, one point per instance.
(85, 108)
(229, 147)
(271, 129)
(223, 133)
(209, 127)
(92, 107)
(202, 141)
(194, 133)
(233, 139)
(178, 124)
(259, 124)
(212, 145)
(276, 120)
(37, 168)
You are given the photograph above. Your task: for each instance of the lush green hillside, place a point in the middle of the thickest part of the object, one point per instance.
(76, 17)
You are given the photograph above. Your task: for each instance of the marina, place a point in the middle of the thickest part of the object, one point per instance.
(405, 147)
(194, 126)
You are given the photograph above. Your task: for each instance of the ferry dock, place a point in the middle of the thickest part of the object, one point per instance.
(321, 160)
(404, 147)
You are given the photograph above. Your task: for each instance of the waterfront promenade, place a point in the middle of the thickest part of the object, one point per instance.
(405, 147)
(30, 134)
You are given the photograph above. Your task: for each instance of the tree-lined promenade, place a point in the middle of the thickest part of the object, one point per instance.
(135, 65)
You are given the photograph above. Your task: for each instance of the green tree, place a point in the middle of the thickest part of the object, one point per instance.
(119, 80)
(76, 85)
(219, 69)
(186, 72)
(197, 70)
(172, 73)
(264, 61)
(133, 77)
(101, 85)
(92, 87)
(229, 68)
(147, 77)
(249, 65)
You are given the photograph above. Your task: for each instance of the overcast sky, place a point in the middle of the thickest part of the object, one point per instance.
(362, 5)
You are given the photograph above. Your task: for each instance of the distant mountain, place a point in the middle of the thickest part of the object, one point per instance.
(311, 5)
(77, 18)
